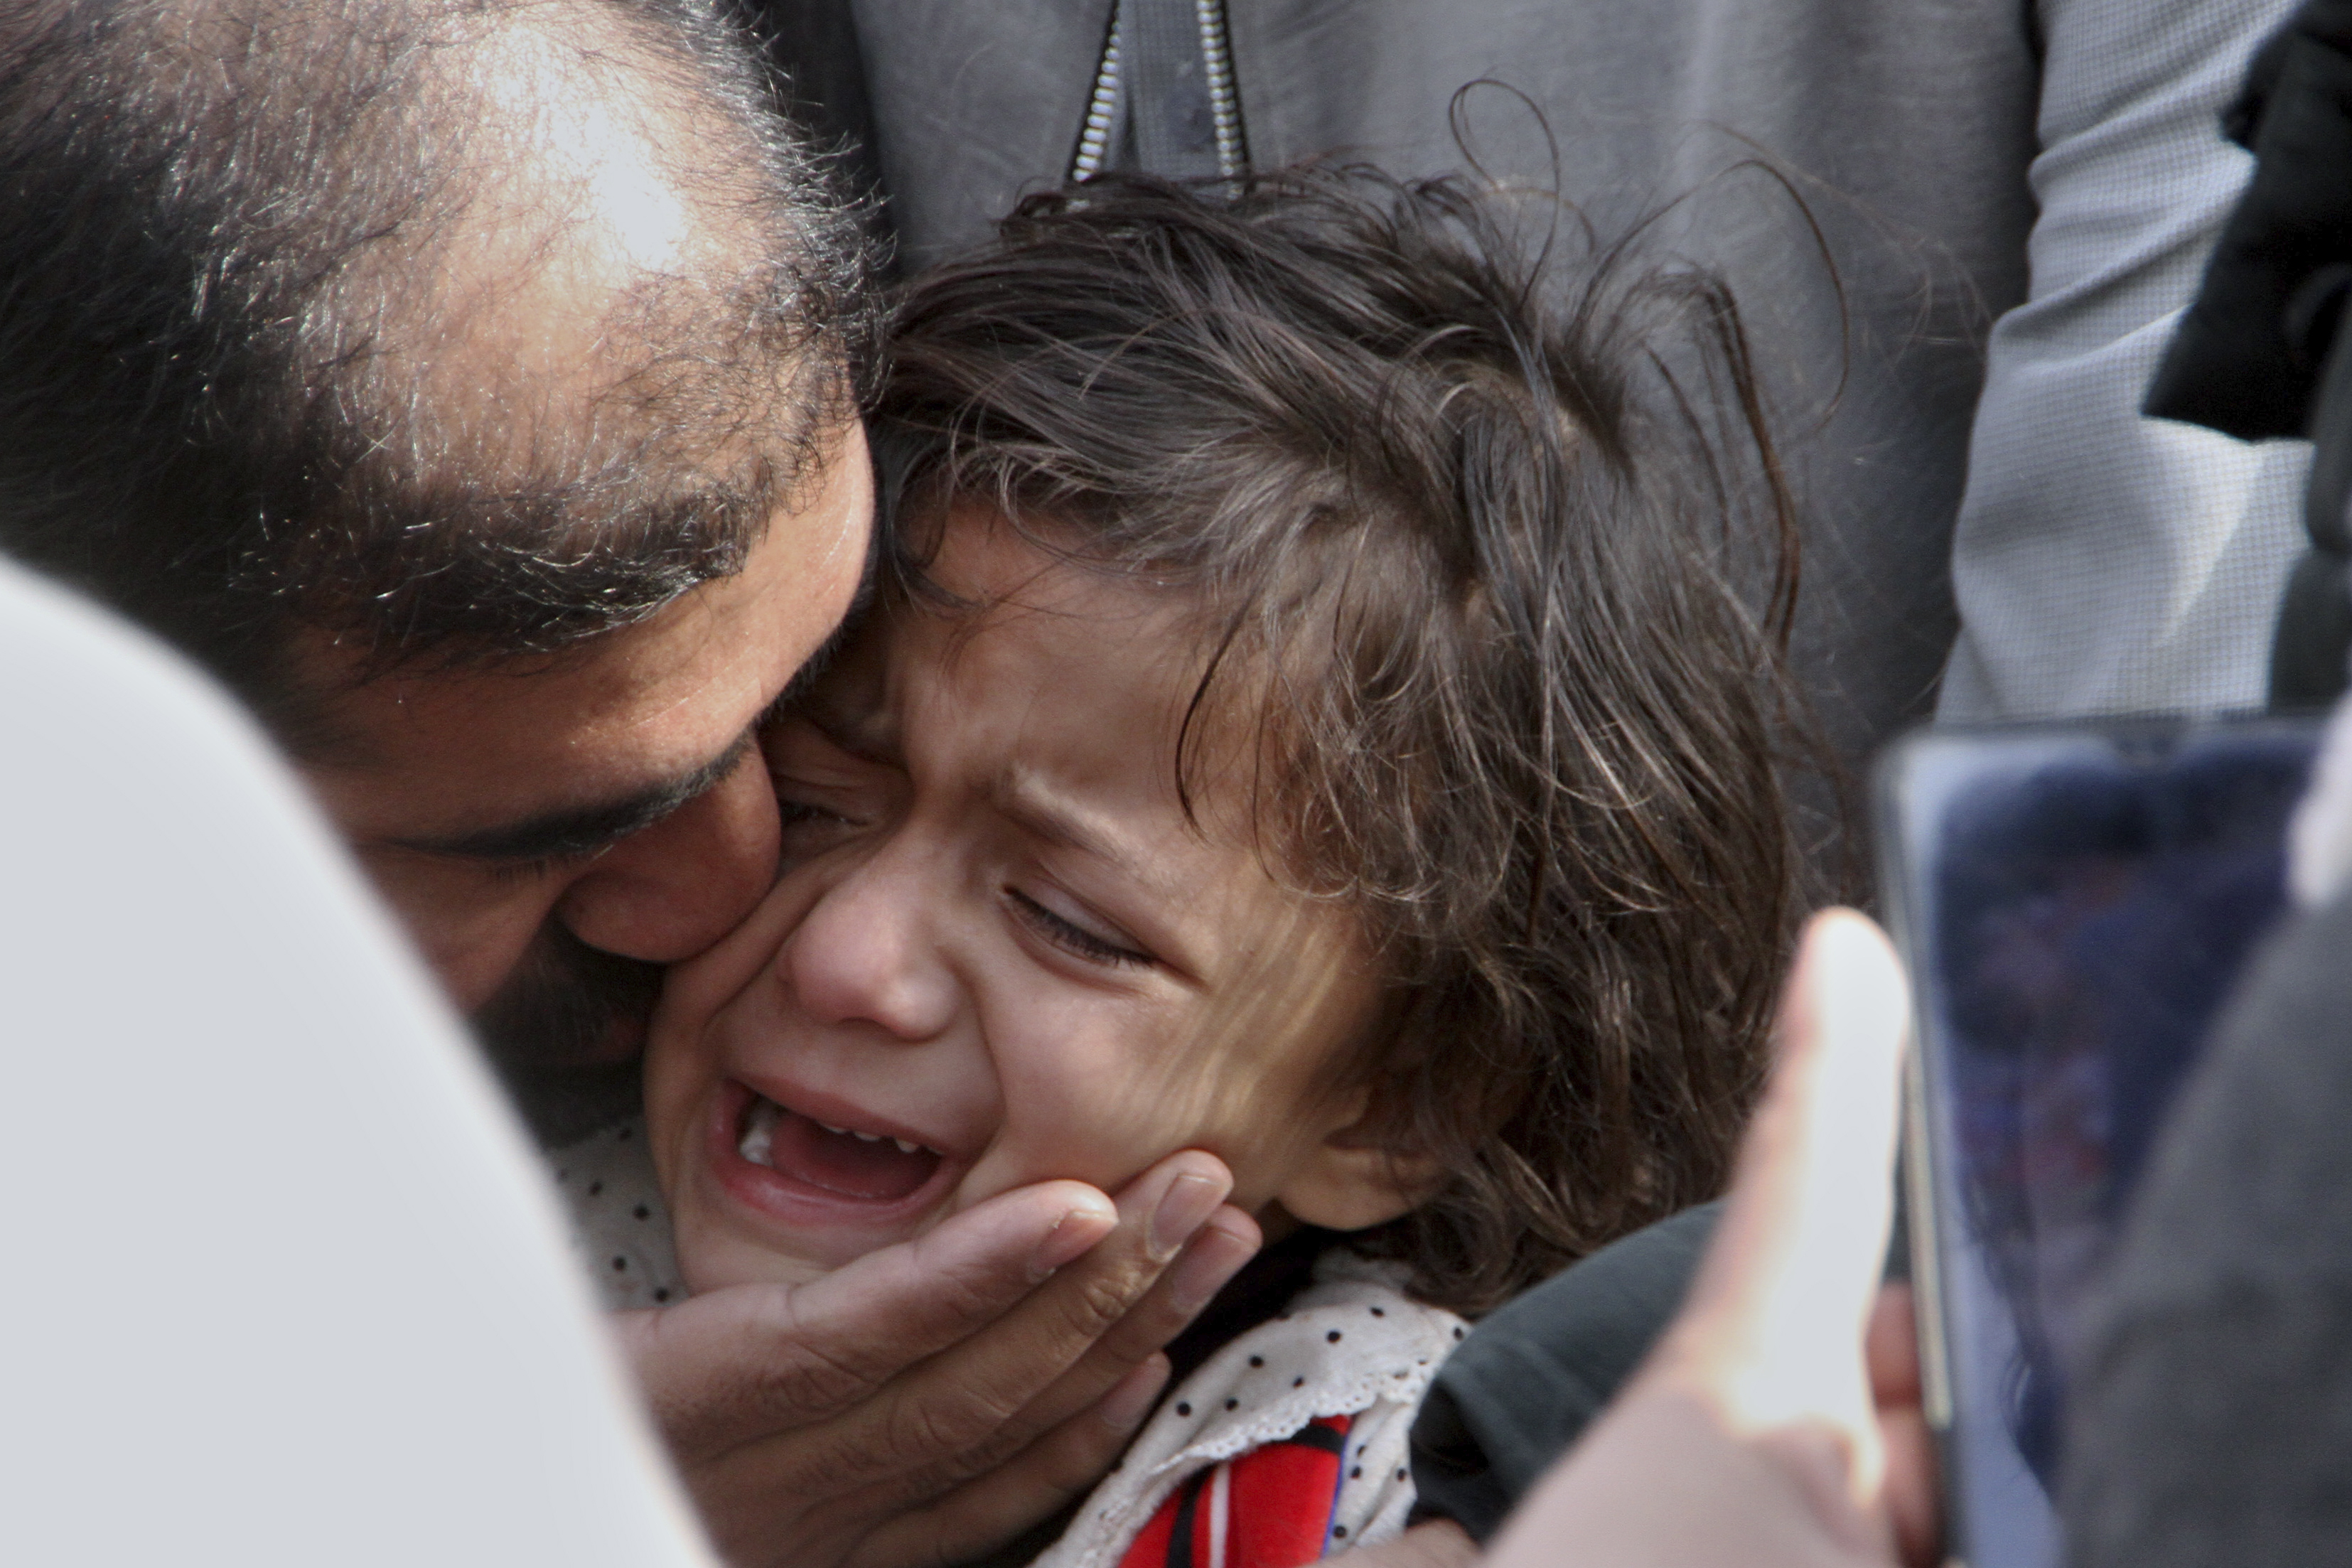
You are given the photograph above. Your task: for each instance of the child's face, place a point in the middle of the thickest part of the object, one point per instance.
(999, 951)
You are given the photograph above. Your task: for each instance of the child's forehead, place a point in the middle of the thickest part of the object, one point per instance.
(1013, 656)
(991, 580)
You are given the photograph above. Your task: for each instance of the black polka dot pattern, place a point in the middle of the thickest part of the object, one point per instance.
(1350, 1344)
(620, 1225)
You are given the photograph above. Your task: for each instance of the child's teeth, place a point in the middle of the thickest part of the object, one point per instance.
(868, 1137)
(759, 1133)
(905, 1147)
(836, 1132)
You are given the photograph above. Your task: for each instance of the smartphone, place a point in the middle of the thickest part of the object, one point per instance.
(2074, 903)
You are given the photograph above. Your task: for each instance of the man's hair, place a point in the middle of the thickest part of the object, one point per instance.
(1477, 533)
(248, 253)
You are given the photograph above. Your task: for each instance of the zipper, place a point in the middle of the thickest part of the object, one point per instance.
(1102, 109)
(1217, 77)
(1224, 97)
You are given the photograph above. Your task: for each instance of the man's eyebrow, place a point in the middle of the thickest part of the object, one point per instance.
(577, 832)
(797, 689)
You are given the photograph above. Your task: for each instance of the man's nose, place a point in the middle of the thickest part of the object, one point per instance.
(868, 952)
(667, 893)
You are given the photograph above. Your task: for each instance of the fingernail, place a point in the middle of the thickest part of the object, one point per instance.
(1132, 1398)
(1189, 1201)
(1073, 1236)
(1204, 1271)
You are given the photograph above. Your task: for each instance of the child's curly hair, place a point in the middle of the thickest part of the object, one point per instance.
(1479, 558)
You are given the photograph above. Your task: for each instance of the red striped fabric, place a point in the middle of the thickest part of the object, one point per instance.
(1270, 1507)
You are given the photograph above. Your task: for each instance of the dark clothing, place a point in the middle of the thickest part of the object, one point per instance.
(1535, 1371)
(2212, 1418)
(2248, 356)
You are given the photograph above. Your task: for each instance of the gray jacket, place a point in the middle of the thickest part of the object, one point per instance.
(2013, 198)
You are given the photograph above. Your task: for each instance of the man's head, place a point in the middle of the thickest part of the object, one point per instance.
(473, 387)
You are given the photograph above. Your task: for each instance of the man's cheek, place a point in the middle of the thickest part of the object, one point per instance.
(564, 1006)
(470, 931)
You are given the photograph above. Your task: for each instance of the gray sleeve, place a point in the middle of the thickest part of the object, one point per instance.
(2211, 1417)
(2103, 561)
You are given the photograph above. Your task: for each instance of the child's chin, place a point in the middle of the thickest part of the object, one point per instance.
(711, 1261)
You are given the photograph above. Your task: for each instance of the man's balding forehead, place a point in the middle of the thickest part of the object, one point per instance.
(260, 254)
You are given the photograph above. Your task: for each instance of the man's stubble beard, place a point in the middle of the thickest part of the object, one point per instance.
(565, 1035)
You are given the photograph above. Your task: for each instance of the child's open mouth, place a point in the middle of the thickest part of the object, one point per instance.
(840, 1162)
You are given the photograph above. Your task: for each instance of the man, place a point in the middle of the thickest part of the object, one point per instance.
(472, 388)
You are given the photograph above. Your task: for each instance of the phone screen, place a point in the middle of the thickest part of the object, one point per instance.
(2074, 903)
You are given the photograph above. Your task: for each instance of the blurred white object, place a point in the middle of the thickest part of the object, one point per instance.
(284, 1287)
(2319, 840)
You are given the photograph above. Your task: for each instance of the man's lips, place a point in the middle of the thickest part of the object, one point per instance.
(805, 1171)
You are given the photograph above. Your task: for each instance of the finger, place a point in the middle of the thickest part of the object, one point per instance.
(960, 1411)
(1062, 1465)
(741, 1363)
(1890, 1349)
(1659, 1479)
(1773, 1335)
(1223, 1246)
(1910, 1498)
(1438, 1543)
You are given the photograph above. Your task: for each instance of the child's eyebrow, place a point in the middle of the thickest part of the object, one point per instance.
(1032, 804)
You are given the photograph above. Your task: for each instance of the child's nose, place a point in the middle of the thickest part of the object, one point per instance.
(867, 952)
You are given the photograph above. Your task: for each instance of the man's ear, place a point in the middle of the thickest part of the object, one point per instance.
(1348, 1182)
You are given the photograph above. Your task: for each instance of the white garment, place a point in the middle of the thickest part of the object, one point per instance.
(297, 1293)
(2104, 562)
(620, 1226)
(1350, 1344)
(2319, 839)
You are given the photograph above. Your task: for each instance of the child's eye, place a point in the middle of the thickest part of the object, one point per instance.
(807, 830)
(795, 812)
(1073, 937)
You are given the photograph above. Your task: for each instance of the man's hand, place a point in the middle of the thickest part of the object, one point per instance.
(1440, 1543)
(1777, 1425)
(936, 1398)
